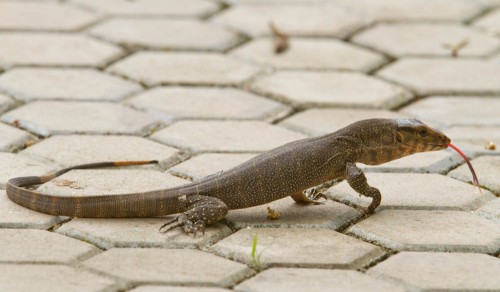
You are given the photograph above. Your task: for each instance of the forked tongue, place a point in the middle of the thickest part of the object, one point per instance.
(474, 176)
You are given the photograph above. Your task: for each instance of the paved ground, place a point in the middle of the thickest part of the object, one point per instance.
(196, 85)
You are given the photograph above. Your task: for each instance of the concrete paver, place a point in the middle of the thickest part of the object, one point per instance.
(487, 169)
(150, 33)
(473, 139)
(415, 191)
(441, 271)
(28, 84)
(444, 76)
(310, 53)
(155, 68)
(490, 22)
(311, 248)
(40, 246)
(206, 164)
(340, 89)
(50, 278)
(172, 103)
(5, 103)
(54, 49)
(225, 136)
(435, 230)
(424, 39)
(77, 149)
(314, 280)
(47, 118)
(13, 165)
(490, 210)
(151, 288)
(169, 266)
(12, 138)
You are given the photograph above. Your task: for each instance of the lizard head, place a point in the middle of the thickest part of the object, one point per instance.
(412, 136)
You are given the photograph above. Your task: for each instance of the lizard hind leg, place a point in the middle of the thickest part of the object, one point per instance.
(200, 211)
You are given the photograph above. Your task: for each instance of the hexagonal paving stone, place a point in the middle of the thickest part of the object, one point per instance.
(174, 267)
(150, 33)
(12, 138)
(12, 165)
(320, 121)
(225, 136)
(308, 89)
(488, 172)
(474, 139)
(63, 83)
(329, 215)
(155, 68)
(438, 271)
(151, 7)
(40, 246)
(207, 164)
(54, 49)
(5, 102)
(424, 39)
(53, 278)
(457, 110)
(425, 230)
(47, 118)
(43, 16)
(490, 210)
(320, 248)
(415, 191)
(490, 22)
(73, 150)
(400, 10)
(314, 280)
(139, 233)
(151, 288)
(171, 103)
(306, 53)
(445, 76)
(13, 215)
(317, 20)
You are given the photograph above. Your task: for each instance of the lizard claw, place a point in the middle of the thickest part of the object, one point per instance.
(313, 195)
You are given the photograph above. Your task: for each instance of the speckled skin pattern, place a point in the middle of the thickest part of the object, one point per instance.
(287, 170)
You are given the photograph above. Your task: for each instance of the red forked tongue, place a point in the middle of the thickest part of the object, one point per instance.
(474, 176)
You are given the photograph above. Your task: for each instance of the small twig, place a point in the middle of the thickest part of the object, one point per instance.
(455, 48)
(281, 43)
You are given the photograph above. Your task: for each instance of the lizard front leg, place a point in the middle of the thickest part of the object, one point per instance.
(357, 180)
(200, 211)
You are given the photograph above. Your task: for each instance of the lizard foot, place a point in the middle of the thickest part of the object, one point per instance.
(187, 225)
(310, 196)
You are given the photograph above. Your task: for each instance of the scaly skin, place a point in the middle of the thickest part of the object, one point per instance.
(287, 170)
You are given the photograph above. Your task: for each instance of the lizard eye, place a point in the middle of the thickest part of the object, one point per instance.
(422, 133)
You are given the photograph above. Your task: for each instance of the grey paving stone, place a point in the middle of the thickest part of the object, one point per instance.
(439, 271)
(43, 16)
(445, 76)
(415, 191)
(14, 216)
(473, 139)
(490, 210)
(274, 2)
(309, 53)
(150, 7)
(13, 165)
(73, 150)
(64, 83)
(430, 230)
(330, 215)
(59, 49)
(47, 118)
(335, 89)
(175, 267)
(314, 280)
(208, 163)
(225, 136)
(172, 103)
(490, 22)
(320, 121)
(155, 68)
(411, 10)
(150, 33)
(139, 233)
(295, 20)
(5, 102)
(425, 39)
(40, 246)
(50, 278)
(311, 248)
(151, 288)
(12, 138)
(487, 169)
(457, 111)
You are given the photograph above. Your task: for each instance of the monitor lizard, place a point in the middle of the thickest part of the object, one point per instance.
(283, 171)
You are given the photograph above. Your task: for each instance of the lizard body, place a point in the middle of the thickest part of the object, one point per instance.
(283, 171)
